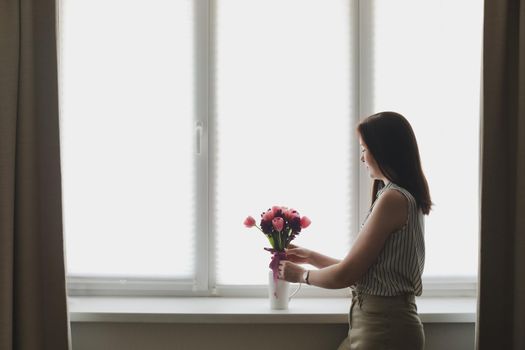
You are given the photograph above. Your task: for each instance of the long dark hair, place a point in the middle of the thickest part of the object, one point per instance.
(391, 141)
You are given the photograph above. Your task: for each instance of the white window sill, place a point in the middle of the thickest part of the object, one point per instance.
(248, 310)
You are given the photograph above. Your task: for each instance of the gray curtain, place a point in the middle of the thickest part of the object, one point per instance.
(33, 312)
(501, 303)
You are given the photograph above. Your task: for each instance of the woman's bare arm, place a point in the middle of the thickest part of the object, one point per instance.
(389, 214)
(302, 255)
(321, 261)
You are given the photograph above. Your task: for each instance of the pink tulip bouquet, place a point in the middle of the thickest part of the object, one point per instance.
(280, 225)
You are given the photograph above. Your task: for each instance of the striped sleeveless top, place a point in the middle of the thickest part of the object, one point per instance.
(400, 263)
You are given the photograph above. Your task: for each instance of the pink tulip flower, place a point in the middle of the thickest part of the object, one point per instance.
(249, 222)
(288, 214)
(276, 210)
(268, 216)
(305, 222)
(278, 224)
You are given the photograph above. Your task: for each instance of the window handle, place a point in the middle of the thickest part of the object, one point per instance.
(198, 137)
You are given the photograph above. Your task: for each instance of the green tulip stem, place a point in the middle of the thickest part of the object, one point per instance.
(270, 238)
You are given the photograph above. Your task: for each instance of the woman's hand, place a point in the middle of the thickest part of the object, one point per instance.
(298, 255)
(290, 272)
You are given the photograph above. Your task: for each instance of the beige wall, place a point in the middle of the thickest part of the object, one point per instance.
(162, 336)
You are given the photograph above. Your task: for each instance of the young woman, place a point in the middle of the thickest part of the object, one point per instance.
(385, 264)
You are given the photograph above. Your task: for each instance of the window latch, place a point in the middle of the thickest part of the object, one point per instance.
(198, 137)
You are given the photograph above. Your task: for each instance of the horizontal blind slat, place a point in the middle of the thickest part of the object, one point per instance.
(126, 135)
(285, 136)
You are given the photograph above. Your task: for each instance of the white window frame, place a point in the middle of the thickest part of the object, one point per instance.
(204, 283)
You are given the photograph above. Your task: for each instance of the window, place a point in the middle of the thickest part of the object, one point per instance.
(424, 61)
(285, 127)
(180, 118)
(126, 135)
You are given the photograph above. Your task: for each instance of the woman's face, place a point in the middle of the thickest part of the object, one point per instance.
(370, 162)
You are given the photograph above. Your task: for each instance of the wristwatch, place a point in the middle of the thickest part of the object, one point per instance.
(305, 276)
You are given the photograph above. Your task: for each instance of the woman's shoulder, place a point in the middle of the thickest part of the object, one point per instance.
(401, 191)
(393, 204)
(393, 199)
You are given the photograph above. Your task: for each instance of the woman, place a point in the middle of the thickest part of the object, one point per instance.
(385, 264)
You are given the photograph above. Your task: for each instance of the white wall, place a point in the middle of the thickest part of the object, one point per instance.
(162, 336)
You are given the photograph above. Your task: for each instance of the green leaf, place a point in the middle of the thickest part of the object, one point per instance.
(270, 238)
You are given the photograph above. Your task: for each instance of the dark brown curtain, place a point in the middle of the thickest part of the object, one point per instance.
(501, 308)
(33, 313)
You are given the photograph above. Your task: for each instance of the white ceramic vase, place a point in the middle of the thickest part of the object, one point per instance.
(279, 293)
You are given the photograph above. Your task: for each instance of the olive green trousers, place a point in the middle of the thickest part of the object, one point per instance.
(384, 323)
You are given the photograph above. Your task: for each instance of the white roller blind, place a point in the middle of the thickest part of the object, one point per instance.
(424, 62)
(126, 138)
(285, 121)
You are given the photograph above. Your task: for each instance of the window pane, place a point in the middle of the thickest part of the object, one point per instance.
(426, 63)
(285, 127)
(126, 119)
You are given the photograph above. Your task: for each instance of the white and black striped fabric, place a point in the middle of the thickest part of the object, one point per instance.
(399, 266)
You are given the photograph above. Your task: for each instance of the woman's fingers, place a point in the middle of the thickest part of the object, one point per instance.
(281, 270)
(299, 252)
(289, 271)
(290, 251)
